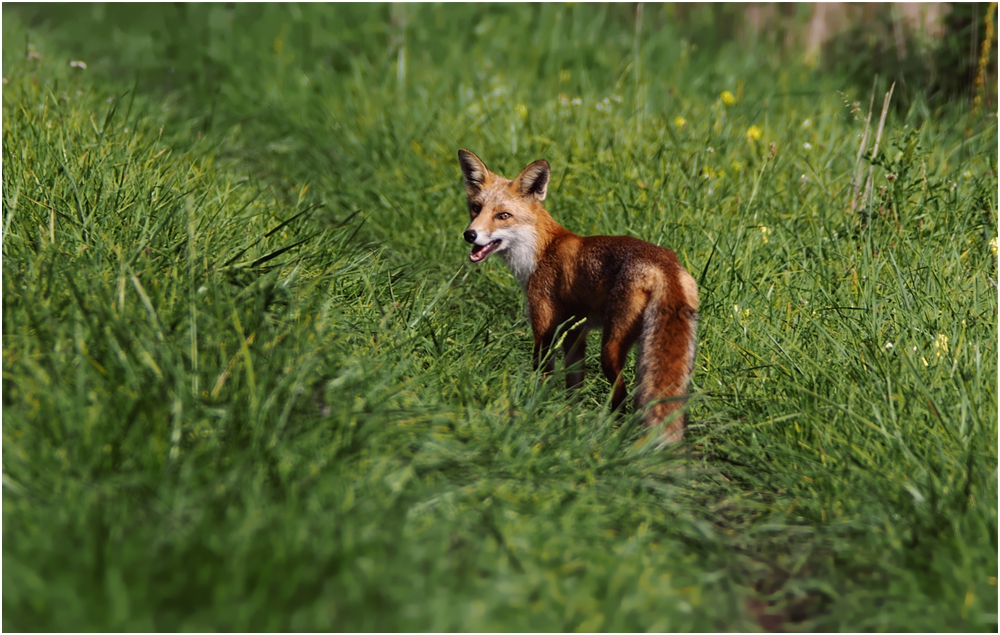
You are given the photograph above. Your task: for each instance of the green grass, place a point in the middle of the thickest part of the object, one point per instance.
(251, 382)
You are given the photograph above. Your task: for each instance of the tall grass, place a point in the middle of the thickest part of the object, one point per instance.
(251, 382)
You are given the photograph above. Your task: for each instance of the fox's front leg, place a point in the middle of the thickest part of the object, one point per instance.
(542, 354)
(575, 348)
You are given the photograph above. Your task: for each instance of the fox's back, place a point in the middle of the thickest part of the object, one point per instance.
(582, 273)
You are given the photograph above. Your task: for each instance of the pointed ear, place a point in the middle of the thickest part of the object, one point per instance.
(533, 181)
(473, 170)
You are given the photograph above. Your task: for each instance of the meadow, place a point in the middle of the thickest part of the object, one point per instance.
(252, 382)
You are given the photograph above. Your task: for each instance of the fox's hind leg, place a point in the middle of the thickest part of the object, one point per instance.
(613, 354)
(622, 325)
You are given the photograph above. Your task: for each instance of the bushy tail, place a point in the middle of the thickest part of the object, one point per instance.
(666, 359)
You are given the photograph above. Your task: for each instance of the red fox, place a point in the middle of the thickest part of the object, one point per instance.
(632, 289)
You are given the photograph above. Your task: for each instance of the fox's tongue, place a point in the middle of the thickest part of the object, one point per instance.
(479, 252)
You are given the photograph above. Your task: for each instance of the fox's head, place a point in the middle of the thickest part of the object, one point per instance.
(505, 214)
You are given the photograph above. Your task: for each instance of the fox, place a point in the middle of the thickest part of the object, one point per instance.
(630, 289)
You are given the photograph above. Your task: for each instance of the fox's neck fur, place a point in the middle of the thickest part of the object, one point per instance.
(523, 255)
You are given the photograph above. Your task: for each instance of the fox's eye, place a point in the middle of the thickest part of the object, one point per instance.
(502, 216)
(475, 208)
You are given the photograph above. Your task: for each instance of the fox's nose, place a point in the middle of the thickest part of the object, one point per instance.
(470, 235)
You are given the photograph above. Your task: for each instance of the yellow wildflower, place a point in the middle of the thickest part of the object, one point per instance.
(765, 233)
(727, 98)
(737, 166)
(940, 344)
(680, 122)
(742, 315)
(753, 133)
(993, 245)
(521, 110)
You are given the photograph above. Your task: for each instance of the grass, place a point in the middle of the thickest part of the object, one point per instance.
(251, 382)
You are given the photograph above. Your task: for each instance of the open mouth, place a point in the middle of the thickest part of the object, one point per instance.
(479, 252)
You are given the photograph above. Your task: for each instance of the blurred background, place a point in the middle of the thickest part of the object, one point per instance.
(944, 51)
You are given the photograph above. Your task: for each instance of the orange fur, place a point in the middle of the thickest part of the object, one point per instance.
(635, 291)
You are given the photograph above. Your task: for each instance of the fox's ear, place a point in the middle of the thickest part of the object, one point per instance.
(533, 181)
(473, 170)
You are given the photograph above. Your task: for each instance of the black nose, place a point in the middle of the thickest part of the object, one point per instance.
(470, 235)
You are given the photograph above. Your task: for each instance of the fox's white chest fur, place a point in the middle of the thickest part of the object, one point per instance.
(521, 255)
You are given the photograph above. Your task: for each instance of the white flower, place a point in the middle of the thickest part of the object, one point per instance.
(78, 64)
(807, 146)
(888, 346)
